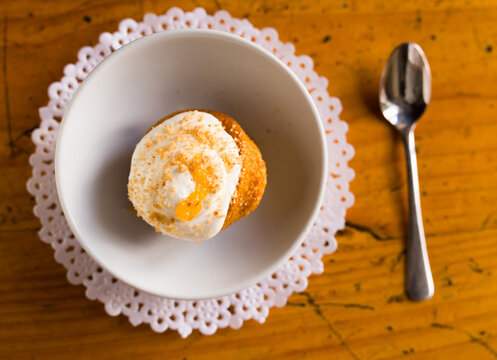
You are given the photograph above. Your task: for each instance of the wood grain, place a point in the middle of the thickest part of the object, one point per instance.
(356, 309)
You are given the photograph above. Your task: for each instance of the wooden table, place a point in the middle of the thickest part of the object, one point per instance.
(357, 309)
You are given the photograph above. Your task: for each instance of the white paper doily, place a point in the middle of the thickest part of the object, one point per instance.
(206, 315)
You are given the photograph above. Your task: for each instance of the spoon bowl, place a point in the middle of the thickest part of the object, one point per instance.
(405, 88)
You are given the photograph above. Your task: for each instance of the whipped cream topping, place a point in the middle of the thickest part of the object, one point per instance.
(183, 175)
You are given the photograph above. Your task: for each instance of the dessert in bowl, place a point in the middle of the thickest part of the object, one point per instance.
(195, 173)
(178, 72)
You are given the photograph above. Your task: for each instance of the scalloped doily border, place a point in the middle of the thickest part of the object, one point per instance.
(205, 315)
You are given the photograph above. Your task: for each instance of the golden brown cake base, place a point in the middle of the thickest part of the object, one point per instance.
(253, 178)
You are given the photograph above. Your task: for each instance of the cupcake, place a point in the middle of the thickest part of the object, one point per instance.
(195, 173)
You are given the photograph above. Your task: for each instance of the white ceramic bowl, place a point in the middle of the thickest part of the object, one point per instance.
(153, 77)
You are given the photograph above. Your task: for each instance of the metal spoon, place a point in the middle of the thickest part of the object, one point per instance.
(405, 91)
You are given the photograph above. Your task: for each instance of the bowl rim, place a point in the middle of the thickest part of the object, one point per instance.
(258, 276)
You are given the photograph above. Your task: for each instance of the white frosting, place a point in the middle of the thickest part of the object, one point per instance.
(160, 176)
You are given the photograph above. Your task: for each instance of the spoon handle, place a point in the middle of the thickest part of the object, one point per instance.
(419, 281)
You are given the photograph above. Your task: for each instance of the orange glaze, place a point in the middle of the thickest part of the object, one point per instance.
(190, 207)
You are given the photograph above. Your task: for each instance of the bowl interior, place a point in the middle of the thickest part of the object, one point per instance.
(151, 78)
